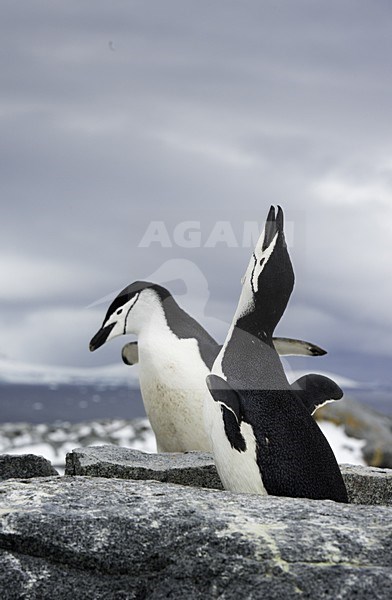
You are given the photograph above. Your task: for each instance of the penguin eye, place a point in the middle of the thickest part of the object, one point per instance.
(119, 311)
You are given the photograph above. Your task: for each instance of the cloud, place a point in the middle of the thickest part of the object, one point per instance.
(24, 279)
(206, 113)
(207, 149)
(340, 191)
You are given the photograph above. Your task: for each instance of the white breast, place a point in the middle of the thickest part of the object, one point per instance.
(238, 471)
(172, 382)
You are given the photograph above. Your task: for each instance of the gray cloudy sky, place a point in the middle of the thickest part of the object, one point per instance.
(117, 114)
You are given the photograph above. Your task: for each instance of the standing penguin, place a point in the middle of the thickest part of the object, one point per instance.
(263, 436)
(175, 354)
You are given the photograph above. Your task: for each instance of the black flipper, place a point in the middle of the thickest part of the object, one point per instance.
(130, 353)
(222, 392)
(292, 347)
(230, 403)
(315, 390)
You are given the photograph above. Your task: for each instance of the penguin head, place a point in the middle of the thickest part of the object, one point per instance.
(268, 281)
(129, 311)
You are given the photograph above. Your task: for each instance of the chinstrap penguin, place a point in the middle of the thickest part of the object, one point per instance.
(175, 354)
(263, 436)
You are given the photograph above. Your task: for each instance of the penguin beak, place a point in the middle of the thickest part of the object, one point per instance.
(100, 337)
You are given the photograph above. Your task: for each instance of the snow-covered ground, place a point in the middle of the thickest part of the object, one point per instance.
(54, 441)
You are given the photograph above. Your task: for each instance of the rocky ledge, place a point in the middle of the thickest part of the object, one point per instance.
(365, 485)
(114, 528)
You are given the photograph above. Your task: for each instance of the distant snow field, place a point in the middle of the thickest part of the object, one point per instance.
(347, 450)
(55, 441)
(25, 373)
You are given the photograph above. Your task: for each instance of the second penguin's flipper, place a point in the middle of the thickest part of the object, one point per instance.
(283, 346)
(316, 390)
(289, 346)
(292, 347)
(130, 353)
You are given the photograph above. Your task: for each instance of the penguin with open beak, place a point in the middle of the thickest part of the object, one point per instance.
(263, 437)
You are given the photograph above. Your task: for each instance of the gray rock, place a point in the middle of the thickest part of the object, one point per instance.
(94, 538)
(365, 485)
(190, 468)
(368, 485)
(25, 466)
